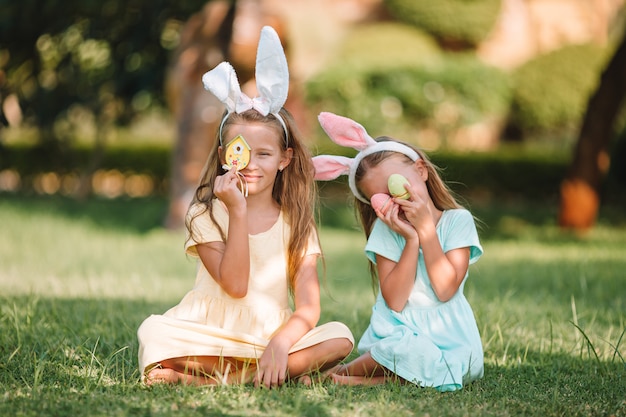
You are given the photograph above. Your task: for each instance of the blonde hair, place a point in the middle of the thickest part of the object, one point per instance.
(294, 189)
(442, 196)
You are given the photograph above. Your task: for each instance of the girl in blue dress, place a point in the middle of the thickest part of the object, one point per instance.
(422, 329)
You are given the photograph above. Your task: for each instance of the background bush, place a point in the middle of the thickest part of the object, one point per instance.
(550, 92)
(452, 22)
(386, 45)
(446, 94)
(503, 173)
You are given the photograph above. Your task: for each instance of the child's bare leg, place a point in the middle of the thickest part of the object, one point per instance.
(363, 370)
(170, 376)
(212, 370)
(201, 370)
(358, 380)
(364, 365)
(318, 357)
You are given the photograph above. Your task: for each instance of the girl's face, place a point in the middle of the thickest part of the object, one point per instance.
(375, 179)
(266, 154)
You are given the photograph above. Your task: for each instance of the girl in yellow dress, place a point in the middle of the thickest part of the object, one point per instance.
(252, 227)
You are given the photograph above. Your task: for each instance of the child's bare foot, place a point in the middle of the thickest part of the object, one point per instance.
(161, 376)
(357, 380)
(305, 380)
(337, 369)
(312, 378)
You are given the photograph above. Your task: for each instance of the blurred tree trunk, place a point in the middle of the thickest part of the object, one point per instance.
(580, 190)
(222, 31)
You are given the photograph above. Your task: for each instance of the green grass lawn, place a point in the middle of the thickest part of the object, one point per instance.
(77, 279)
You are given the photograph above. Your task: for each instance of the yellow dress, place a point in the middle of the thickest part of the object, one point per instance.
(209, 322)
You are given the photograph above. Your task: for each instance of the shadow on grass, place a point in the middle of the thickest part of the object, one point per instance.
(132, 214)
(495, 220)
(556, 384)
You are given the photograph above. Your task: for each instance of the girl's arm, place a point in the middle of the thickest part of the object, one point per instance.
(445, 270)
(397, 279)
(272, 367)
(229, 263)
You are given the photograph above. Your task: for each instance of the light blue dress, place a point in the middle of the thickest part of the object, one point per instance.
(429, 343)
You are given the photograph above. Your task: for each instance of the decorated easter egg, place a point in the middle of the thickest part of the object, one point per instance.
(237, 153)
(395, 183)
(382, 202)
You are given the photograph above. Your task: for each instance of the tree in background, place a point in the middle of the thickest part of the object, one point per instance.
(222, 30)
(102, 62)
(74, 61)
(580, 190)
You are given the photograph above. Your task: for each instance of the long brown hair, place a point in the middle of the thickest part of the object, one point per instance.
(294, 189)
(443, 197)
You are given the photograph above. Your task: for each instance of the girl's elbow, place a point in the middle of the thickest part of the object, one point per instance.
(313, 319)
(309, 316)
(445, 293)
(236, 292)
(396, 306)
(444, 297)
(236, 286)
(394, 302)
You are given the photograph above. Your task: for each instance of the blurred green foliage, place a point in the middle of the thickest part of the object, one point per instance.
(445, 93)
(71, 59)
(103, 62)
(505, 174)
(386, 45)
(461, 23)
(550, 92)
(399, 81)
(29, 161)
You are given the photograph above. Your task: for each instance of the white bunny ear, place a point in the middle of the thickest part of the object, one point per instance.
(272, 79)
(345, 132)
(223, 83)
(272, 73)
(329, 167)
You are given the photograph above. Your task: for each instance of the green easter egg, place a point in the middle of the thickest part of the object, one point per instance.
(395, 183)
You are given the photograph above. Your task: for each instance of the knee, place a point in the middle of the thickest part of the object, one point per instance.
(148, 330)
(344, 347)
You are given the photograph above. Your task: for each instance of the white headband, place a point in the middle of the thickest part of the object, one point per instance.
(272, 81)
(346, 132)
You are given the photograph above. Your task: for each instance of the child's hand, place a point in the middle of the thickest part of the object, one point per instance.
(394, 218)
(226, 188)
(415, 209)
(272, 366)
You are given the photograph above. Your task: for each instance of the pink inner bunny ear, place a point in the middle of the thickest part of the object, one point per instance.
(329, 167)
(344, 131)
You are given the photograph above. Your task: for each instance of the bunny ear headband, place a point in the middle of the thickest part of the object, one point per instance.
(347, 132)
(272, 81)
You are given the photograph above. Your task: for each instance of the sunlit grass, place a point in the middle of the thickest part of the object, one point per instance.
(77, 279)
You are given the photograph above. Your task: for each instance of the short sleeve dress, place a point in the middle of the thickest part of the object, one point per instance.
(209, 322)
(430, 343)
